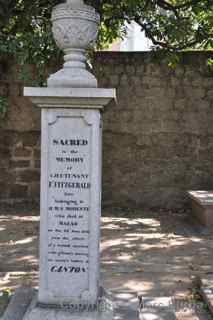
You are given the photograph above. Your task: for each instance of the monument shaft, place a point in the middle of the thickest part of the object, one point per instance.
(70, 205)
(71, 137)
(70, 173)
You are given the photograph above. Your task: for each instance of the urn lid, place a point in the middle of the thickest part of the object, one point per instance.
(75, 9)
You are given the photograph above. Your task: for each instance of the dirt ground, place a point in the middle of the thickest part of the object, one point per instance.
(157, 253)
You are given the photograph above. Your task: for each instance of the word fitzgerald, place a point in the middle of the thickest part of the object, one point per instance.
(71, 185)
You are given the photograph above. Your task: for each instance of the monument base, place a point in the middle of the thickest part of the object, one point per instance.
(24, 306)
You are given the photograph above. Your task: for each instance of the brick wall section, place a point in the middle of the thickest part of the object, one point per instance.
(158, 139)
(19, 148)
(19, 167)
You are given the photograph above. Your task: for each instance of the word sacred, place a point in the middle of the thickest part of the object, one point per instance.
(67, 142)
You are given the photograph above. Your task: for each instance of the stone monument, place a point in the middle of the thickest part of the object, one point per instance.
(70, 210)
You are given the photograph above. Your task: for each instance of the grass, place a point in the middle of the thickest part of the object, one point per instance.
(4, 300)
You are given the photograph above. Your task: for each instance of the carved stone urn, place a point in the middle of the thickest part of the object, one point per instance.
(75, 29)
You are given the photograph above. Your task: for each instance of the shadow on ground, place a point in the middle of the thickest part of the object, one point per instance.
(151, 253)
(154, 252)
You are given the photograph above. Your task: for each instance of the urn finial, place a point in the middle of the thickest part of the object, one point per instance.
(75, 29)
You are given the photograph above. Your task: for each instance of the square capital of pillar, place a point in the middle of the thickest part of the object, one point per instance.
(87, 98)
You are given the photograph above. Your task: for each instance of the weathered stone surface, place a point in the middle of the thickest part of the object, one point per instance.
(158, 140)
(164, 120)
(157, 308)
(28, 175)
(19, 304)
(17, 164)
(22, 152)
(202, 206)
(18, 191)
(5, 156)
(31, 138)
(4, 187)
(23, 306)
(70, 196)
(206, 289)
(22, 115)
(37, 164)
(103, 310)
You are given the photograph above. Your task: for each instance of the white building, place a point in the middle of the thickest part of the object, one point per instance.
(135, 40)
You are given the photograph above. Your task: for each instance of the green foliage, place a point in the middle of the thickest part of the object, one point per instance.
(25, 34)
(171, 24)
(5, 296)
(174, 25)
(210, 64)
(6, 293)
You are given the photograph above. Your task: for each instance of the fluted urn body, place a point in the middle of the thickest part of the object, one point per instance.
(75, 29)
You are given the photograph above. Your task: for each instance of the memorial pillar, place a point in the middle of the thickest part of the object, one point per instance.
(71, 148)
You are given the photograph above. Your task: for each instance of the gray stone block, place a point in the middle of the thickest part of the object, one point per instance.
(202, 206)
(102, 310)
(19, 304)
(23, 306)
(157, 308)
(206, 289)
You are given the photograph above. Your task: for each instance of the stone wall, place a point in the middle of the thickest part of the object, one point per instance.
(158, 139)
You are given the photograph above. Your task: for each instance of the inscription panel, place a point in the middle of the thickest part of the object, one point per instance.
(69, 195)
